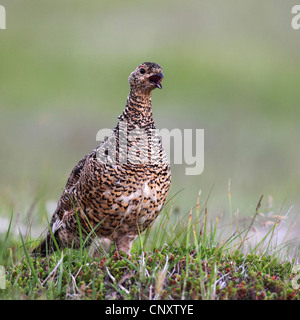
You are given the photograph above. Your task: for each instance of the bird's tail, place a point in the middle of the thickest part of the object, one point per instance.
(51, 242)
(46, 247)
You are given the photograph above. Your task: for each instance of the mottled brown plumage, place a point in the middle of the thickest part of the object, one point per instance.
(118, 189)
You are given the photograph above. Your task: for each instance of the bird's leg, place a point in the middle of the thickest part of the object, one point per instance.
(124, 243)
(100, 246)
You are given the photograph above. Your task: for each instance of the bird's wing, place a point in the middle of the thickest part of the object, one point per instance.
(76, 172)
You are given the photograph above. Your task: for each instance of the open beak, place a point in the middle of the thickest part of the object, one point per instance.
(156, 79)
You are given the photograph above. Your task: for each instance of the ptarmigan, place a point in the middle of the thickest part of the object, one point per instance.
(118, 189)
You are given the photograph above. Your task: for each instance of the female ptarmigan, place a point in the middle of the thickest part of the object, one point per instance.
(117, 190)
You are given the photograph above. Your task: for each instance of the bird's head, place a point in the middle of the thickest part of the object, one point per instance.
(146, 77)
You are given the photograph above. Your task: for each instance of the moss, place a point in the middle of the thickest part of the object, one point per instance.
(230, 276)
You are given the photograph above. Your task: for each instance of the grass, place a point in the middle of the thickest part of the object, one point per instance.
(176, 259)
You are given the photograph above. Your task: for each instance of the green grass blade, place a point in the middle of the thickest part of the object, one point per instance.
(29, 261)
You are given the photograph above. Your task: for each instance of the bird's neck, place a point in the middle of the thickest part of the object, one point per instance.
(138, 110)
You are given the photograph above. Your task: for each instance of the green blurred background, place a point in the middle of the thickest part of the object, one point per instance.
(231, 68)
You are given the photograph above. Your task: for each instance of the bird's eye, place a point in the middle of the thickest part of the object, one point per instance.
(142, 70)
